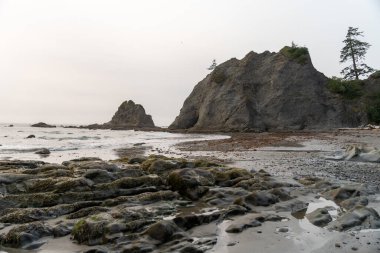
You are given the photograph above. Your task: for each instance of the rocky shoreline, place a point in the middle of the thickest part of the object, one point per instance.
(161, 204)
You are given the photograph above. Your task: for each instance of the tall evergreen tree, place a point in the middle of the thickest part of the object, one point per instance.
(213, 65)
(354, 51)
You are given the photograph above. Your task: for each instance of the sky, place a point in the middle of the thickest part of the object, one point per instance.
(76, 61)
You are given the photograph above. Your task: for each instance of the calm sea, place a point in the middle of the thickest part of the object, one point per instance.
(70, 143)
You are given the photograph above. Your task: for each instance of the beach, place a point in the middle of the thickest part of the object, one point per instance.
(287, 160)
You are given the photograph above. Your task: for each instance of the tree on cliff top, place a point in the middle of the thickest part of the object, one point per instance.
(354, 51)
(213, 65)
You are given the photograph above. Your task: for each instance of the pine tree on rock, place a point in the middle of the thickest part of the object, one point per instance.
(213, 65)
(354, 51)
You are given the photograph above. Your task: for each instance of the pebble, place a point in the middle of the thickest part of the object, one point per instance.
(337, 245)
(283, 230)
(354, 248)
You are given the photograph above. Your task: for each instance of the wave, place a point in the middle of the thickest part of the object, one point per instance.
(32, 150)
(81, 138)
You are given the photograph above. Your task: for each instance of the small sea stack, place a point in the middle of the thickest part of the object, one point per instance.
(42, 124)
(128, 116)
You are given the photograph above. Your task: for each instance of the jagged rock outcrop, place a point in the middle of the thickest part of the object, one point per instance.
(267, 91)
(130, 115)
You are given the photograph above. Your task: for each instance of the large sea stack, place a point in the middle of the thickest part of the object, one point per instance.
(267, 91)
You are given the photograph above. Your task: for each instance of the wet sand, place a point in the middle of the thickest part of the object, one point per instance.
(289, 156)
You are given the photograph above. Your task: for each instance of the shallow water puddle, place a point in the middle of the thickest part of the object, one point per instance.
(307, 235)
(331, 206)
(223, 237)
(324, 203)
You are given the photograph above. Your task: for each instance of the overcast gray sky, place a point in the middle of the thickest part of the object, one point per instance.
(75, 61)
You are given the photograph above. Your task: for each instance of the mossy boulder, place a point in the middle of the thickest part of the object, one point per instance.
(201, 163)
(227, 176)
(92, 210)
(258, 198)
(123, 160)
(83, 166)
(143, 198)
(351, 203)
(131, 182)
(163, 167)
(342, 193)
(99, 176)
(32, 186)
(24, 235)
(162, 231)
(282, 193)
(24, 215)
(91, 231)
(137, 160)
(44, 199)
(73, 184)
(191, 183)
(223, 196)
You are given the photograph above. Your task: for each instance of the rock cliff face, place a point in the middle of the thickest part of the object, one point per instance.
(267, 91)
(130, 115)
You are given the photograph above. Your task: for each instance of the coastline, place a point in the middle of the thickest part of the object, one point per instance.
(285, 158)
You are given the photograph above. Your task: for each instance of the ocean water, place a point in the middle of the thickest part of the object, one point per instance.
(69, 143)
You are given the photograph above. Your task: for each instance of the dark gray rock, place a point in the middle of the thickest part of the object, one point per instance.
(357, 218)
(260, 198)
(319, 217)
(162, 231)
(224, 196)
(31, 136)
(20, 164)
(267, 91)
(163, 167)
(191, 183)
(348, 204)
(296, 207)
(99, 175)
(283, 230)
(42, 124)
(130, 115)
(191, 220)
(238, 228)
(43, 151)
(25, 235)
(61, 230)
(96, 250)
(249, 221)
(138, 160)
(345, 192)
